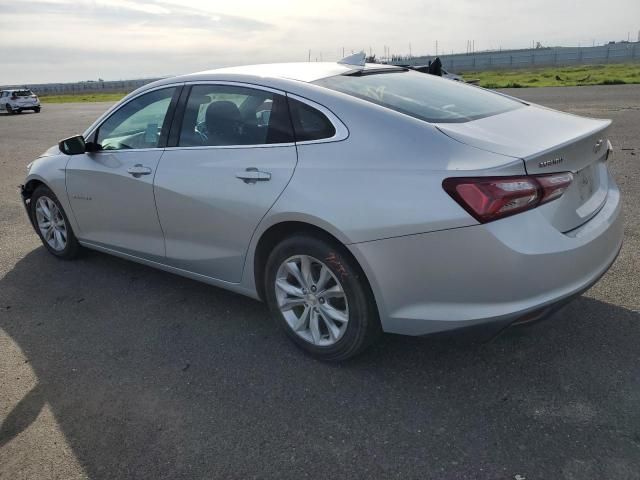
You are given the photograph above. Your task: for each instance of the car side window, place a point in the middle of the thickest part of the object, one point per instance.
(309, 123)
(138, 124)
(218, 115)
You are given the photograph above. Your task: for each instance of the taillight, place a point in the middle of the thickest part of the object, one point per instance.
(491, 198)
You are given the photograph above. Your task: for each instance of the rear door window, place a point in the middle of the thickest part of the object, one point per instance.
(226, 115)
(422, 96)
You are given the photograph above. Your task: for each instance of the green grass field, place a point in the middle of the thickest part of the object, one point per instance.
(612, 74)
(85, 97)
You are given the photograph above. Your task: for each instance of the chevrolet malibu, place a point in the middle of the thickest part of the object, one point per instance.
(352, 198)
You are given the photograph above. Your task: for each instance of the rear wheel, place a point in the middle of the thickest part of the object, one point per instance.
(52, 225)
(9, 109)
(37, 109)
(319, 295)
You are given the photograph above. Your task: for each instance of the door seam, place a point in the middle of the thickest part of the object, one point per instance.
(155, 202)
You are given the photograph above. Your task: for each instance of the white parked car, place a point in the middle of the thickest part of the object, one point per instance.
(353, 198)
(15, 101)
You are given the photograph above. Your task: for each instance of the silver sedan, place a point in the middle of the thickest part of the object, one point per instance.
(353, 199)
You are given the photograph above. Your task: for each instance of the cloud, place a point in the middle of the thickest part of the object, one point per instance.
(65, 40)
(127, 12)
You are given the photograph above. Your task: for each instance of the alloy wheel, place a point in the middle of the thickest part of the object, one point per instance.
(51, 223)
(312, 300)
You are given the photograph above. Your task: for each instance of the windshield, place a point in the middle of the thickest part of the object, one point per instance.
(422, 96)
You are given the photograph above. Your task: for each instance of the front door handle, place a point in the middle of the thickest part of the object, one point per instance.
(138, 170)
(253, 175)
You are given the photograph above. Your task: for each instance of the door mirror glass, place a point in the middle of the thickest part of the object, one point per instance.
(73, 145)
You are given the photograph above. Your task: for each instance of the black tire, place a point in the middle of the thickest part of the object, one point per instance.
(72, 247)
(9, 110)
(363, 325)
(37, 109)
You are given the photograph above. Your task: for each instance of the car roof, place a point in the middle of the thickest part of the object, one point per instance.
(301, 71)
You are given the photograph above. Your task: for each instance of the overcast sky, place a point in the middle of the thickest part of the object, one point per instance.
(67, 40)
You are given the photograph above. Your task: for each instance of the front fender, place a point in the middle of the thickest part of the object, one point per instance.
(51, 171)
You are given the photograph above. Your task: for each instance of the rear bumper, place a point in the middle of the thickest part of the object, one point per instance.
(488, 276)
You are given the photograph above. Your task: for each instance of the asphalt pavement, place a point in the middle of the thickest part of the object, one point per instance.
(113, 370)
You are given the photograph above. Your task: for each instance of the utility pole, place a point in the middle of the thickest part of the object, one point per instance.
(342, 52)
(409, 50)
(436, 48)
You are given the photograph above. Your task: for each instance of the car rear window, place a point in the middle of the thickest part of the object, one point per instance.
(22, 93)
(427, 97)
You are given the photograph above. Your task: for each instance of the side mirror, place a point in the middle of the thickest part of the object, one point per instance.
(73, 145)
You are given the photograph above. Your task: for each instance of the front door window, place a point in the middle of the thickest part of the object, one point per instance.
(138, 124)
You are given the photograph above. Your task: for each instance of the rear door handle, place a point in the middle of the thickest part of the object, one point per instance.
(138, 170)
(253, 175)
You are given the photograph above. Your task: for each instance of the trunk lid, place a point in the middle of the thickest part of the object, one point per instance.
(548, 141)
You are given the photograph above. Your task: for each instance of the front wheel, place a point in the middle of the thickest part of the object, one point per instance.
(320, 296)
(9, 109)
(52, 225)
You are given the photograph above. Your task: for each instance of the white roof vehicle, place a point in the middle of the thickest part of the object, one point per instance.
(19, 99)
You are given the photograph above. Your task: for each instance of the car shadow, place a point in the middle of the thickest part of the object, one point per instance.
(153, 375)
(5, 114)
